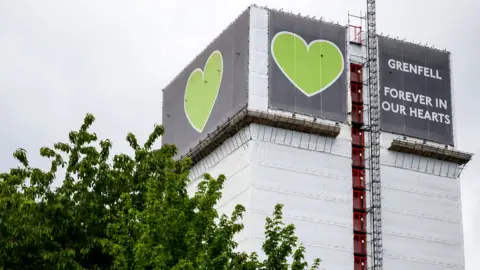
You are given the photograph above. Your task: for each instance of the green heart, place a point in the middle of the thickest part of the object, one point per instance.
(201, 91)
(311, 68)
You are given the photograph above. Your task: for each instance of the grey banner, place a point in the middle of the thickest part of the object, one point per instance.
(308, 79)
(230, 51)
(415, 91)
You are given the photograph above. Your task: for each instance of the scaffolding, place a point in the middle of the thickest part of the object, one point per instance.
(442, 161)
(374, 128)
(365, 59)
(245, 117)
(357, 83)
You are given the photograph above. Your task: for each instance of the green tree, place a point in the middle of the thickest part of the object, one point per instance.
(126, 212)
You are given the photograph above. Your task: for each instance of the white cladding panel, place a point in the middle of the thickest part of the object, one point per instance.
(421, 204)
(231, 159)
(422, 218)
(310, 231)
(411, 225)
(331, 259)
(258, 60)
(422, 250)
(310, 175)
(390, 263)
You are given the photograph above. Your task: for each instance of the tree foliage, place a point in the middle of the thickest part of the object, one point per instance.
(126, 212)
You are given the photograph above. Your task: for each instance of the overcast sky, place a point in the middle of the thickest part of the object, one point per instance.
(62, 59)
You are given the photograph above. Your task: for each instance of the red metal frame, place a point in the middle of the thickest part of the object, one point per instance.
(358, 157)
(360, 244)
(360, 222)
(358, 178)
(356, 92)
(355, 34)
(357, 114)
(359, 200)
(360, 263)
(358, 165)
(356, 73)
(358, 137)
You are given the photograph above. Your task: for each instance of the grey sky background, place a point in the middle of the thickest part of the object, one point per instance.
(62, 59)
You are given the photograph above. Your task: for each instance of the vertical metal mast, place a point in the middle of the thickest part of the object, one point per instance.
(374, 111)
